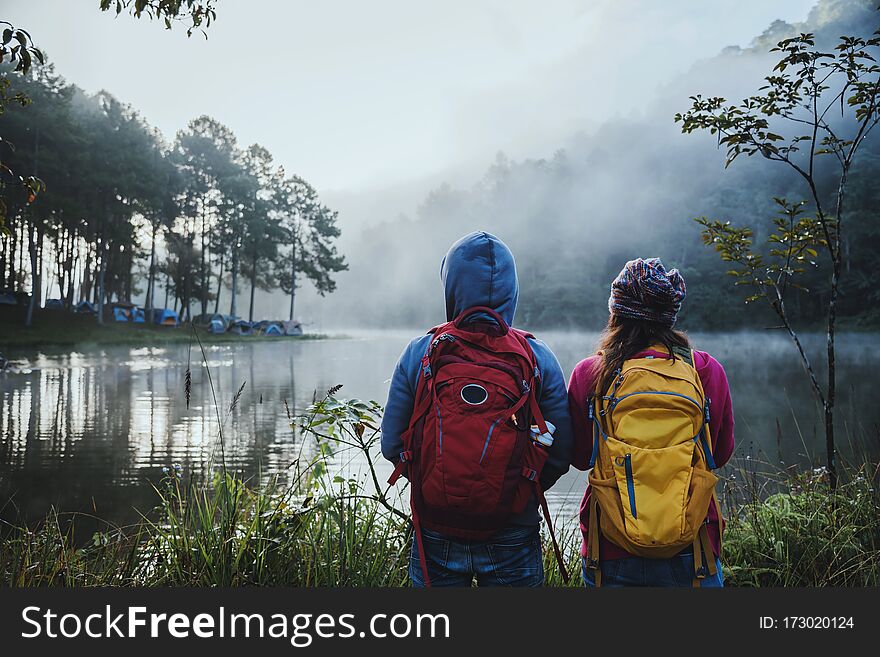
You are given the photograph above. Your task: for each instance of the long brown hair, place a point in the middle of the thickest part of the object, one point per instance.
(624, 337)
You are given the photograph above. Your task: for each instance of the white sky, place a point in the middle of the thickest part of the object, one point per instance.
(356, 95)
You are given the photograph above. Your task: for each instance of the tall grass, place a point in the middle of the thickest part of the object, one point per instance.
(803, 533)
(784, 528)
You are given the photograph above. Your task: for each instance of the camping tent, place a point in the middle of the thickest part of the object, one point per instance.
(241, 327)
(137, 315)
(218, 317)
(292, 327)
(272, 329)
(85, 307)
(54, 304)
(216, 326)
(165, 317)
(120, 314)
(204, 321)
(122, 311)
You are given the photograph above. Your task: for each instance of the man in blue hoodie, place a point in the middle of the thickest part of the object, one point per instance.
(479, 270)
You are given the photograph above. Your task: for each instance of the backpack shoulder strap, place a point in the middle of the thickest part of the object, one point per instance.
(524, 334)
(687, 355)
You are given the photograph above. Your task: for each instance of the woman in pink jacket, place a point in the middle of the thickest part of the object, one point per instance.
(644, 303)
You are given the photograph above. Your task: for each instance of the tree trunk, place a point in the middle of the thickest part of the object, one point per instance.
(74, 265)
(4, 248)
(151, 274)
(21, 249)
(13, 247)
(187, 286)
(292, 284)
(219, 286)
(234, 272)
(128, 261)
(85, 288)
(253, 287)
(35, 276)
(830, 452)
(99, 287)
(203, 281)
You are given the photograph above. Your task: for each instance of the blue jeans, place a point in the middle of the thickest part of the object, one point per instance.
(512, 557)
(638, 571)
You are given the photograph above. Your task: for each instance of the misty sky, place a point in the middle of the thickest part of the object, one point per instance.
(358, 95)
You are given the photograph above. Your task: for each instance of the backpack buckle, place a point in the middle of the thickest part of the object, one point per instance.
(702, 572)
(525, 386)
(439, 339)
(706, 413)
(405, 456)
(592, 564)
(530, 474)
(427, 371)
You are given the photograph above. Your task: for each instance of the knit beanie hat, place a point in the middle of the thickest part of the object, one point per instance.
(645, 290)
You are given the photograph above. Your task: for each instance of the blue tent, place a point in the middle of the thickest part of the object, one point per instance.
(121, 314)
(85, 307)
(219, 317)
(54, 304)
(165, 317)
(204, 321)
(273, 329)
(137, 315)
(241, 327)
(216, 326)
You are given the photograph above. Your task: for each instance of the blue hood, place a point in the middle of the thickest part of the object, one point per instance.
(479, 270)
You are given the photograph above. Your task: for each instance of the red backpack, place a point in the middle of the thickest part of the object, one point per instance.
(467, 452)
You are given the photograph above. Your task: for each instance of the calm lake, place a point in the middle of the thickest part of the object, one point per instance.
(89, 430)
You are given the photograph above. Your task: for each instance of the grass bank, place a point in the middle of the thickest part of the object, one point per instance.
(329, 531)
(57, 328)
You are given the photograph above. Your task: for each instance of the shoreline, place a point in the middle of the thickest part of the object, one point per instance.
(63, 329)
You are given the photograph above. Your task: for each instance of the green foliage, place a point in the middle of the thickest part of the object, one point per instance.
(793, 249)
(807, 84)
(311, 230)
(208, 207)
(804, 77)
(198, 14)
(17, 47)
(807, 535)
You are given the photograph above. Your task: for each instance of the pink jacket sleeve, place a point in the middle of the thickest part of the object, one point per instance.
(580, 387)
(716, 388)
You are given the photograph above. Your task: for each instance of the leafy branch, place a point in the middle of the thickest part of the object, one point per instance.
(806, 88)
(793, 250)
(199, 14)
(351, 424)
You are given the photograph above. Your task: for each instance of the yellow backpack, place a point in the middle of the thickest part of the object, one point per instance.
(651, 476)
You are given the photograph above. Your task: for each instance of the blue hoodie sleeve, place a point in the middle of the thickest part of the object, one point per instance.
(401, 398)
(554, 406)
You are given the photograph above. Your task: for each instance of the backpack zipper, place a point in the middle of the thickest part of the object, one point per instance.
(630, 484)
(488, 438)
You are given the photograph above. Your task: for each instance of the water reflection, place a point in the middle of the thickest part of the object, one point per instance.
(91, 430)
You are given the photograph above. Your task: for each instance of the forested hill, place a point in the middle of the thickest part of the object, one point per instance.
(630, 188)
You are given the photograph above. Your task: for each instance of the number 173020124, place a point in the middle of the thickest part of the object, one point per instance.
(806, 622)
